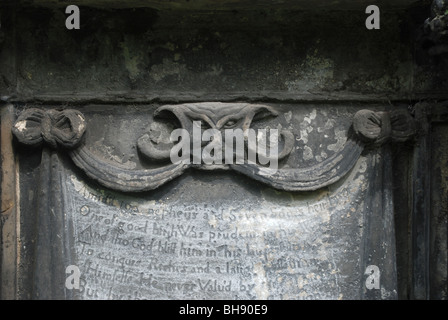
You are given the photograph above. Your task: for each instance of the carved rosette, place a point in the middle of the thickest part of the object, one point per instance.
(64, 130)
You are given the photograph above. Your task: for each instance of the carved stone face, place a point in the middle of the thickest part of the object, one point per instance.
(210, 115)
(216, 115)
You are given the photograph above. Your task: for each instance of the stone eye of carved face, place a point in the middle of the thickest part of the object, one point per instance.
(230, 124)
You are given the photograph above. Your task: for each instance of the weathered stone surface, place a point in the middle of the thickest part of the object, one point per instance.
(138, 55)
(236, 244)
(65, 129)
(314, 62)
(213, 234)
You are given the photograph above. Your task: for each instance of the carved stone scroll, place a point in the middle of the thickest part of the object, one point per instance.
(56, 128)
(64, 129)
(210, 234)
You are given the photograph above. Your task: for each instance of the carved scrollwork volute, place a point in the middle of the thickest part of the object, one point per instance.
(35, 127)
(381, 127)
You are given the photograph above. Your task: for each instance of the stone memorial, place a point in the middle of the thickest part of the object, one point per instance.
(240, 156)
(142, 228)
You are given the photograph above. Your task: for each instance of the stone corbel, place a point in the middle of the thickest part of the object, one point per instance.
(64, 130)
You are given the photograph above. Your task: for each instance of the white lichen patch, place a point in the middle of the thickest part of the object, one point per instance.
(261, 287)
(307, 153)
(213, 222)
(20, 125)
(311, 116)
(341, 137)
(107, 152)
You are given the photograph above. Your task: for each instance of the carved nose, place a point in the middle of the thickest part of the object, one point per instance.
(215, 139)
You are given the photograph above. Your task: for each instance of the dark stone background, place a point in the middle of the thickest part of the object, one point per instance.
(257, 51)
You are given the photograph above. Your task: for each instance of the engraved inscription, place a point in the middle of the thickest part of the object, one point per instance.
(131, 248)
